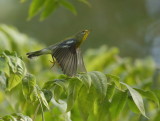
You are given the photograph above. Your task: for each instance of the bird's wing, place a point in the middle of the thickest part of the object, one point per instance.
(66, 56)
(81, 67)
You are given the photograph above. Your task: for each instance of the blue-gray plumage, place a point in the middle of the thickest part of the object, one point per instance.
(66, 53)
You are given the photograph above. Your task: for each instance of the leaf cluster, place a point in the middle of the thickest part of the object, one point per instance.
(119, 89)
(46, 7)
(99, 96)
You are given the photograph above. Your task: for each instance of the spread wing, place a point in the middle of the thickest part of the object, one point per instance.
(81, 67)
(66, 56)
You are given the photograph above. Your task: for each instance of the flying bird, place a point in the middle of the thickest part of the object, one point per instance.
(66, 53)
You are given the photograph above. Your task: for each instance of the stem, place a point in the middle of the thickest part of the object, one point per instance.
(35, 114)
(43, 119)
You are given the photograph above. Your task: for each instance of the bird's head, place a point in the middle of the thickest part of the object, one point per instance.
(81, 36)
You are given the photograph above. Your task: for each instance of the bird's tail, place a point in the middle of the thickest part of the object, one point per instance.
(38, 53)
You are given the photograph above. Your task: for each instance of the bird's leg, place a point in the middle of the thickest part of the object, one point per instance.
(54, 61)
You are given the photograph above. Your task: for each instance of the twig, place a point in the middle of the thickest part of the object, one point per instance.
(35, 114)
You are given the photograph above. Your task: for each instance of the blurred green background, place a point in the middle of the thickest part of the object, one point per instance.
(125, 24)
(123, 34)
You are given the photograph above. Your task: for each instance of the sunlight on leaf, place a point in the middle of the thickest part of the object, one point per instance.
(137, 98)
(13, 81)
(132, 105)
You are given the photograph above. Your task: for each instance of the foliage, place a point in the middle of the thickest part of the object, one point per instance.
(15, 117)
(120, 89)
(46, 7)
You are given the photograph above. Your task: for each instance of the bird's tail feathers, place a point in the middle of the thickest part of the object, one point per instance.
(34, 54)
(39, 52)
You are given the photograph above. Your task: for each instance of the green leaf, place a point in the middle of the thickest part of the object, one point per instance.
(49, 84)
(28, 84)
(157, 93)
(13, 81)
(101, 109)
(21, 117)
(99, 81)
(57, 93)
(118, 102)
(48, 95)
(69, 6)
(59, 82)
(62, 83)
(34, 95)
(16, 117)
(49, 7)
(132, 105)
(15, 63)
(115, 79)
(35, 7)
(137, 98)
(43, 99)
(3, 80)
(110, 92)
(84, 104)
(3, 65)
(58, 85)
(11, 58)
(86, 79)
(73, 89)
(86, 100)
(63, 76)
(149, 95)
(9, 118)
(85, 2)
(17, 69)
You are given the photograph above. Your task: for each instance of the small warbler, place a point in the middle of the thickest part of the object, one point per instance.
(66, 53)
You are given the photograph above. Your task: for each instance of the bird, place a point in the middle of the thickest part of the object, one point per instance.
(66, 53)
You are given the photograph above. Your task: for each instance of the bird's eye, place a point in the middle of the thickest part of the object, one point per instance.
(83, 32)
